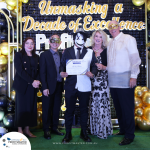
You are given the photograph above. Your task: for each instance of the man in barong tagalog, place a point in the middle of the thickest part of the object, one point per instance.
(123, 68)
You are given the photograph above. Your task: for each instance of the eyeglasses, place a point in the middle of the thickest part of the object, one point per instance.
(55, 40)
(113, 26)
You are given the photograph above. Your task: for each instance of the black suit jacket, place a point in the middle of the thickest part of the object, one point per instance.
(69, 53)
(48, 73)
(23, 71)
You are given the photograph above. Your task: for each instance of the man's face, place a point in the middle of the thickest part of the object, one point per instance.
(114, 28)
(54, 42)
(79, 40)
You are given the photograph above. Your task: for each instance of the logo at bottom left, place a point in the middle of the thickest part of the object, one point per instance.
(14, 141)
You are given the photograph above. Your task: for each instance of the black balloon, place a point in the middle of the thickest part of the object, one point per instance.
(3, 37)
(3, 101)
(5, 11)
(10, 102)
(2, 124)
(8, 120)
(3, 24)
(11, 108)
(2, 113)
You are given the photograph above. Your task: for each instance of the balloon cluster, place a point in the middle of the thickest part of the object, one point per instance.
(4, 47)
(7, 110)
(142, 107)
(12, 6)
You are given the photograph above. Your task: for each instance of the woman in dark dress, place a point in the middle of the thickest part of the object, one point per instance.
(25, 83)
(100, 117)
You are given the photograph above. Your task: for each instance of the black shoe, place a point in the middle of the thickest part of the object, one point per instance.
(84, 136)
(47, 135)
(67, 138)
(126, 141)
(88, 131)
(56, 131)
(118, 133)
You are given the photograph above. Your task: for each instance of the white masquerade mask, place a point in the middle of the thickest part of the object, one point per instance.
(79, 40)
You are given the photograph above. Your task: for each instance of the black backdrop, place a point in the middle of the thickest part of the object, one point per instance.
(130, 12)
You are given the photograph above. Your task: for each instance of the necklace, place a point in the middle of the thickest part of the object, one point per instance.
(96, 50)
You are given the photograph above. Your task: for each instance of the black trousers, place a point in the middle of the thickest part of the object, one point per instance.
(71, 97)
(51, 108)
(123, 99)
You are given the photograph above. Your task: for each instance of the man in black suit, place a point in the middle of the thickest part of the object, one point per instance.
(52, 86)
(78, 85)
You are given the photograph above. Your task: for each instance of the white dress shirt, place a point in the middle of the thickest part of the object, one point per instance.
(123, 60)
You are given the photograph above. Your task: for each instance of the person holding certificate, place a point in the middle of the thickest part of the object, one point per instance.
(78, 83)
(99, 107)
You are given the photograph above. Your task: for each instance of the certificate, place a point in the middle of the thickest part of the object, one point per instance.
(76, 66)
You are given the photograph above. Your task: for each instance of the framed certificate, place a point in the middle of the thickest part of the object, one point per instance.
(76, 66)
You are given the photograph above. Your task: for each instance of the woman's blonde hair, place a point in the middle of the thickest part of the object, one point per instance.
(104, 38)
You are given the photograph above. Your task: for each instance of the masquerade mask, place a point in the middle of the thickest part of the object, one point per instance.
(79, 40)
(55, 40)
(113, 26)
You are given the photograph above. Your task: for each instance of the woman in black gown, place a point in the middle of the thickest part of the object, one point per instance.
(25, 83)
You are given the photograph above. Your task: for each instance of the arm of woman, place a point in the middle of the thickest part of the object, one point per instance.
(20, 69)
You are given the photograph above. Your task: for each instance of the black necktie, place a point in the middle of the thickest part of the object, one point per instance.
(78, 53)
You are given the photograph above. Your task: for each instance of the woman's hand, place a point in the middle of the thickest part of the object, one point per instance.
(36, 83)
(99, 66)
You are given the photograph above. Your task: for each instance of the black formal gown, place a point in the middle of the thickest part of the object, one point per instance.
(26, 104)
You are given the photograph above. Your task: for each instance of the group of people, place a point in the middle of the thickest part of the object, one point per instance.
(112, 65)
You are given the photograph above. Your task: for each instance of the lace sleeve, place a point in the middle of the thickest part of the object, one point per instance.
(135, 62)
(134, 56)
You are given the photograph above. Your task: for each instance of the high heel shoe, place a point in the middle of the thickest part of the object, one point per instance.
(29, 134)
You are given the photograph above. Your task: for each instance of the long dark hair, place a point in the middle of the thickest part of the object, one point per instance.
(23, 46)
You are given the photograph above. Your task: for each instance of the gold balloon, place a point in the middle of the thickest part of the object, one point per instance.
(11, 2)
(39, 124)
(144, 89)
(15, 9)
(39, 94)
(4, 48)
(138, 93)
(10, 7)
(138, 102)
(12, 95)
(13, 14)
(139, 112)
(40, 106)
(2, 0)
(3, 68)
(39, 115)
(146, 98)
(138, 88)
(138, 119)
(135, 119)
(144, 125)
(3, 60)
(147, 113)
(138, 2)
(148, 9)
(25, 1)
(11, 57)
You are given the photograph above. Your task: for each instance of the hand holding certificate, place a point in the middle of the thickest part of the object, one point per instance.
(76, 66)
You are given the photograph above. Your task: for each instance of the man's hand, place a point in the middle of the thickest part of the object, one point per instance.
(132, 82)
(90, 74)
(46, 92)
(36, 83)
(64, 74)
